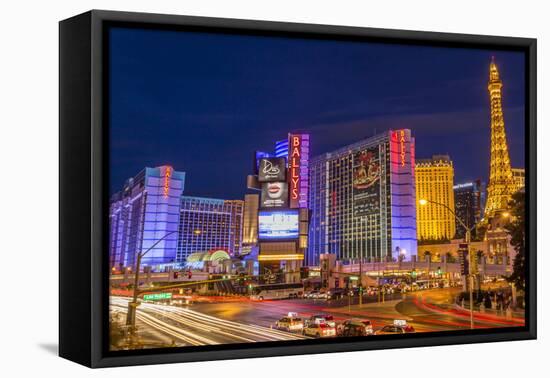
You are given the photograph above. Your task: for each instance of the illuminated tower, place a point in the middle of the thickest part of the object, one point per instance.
(434, 182)
(501, 183)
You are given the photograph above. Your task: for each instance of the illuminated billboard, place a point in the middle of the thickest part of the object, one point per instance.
(274, 194)
(258, 155)
(366, 182)
(278, 225)
(272, 169)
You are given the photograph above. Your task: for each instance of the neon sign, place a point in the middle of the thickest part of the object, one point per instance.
(167, 176)
(402, 142)
(295, 155)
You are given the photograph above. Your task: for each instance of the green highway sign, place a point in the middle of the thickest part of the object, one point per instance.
(157, 296)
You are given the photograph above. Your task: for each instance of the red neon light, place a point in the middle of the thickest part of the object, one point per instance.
(402, 141)
(295, 153)
(167, 176)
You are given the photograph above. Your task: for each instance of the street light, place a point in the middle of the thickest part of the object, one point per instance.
(467, 239)
(132, 306)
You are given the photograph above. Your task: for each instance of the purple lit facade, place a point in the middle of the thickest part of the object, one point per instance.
(363, 201)
(402, 194)
(145, 216)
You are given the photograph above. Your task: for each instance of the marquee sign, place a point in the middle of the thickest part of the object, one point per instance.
(167, 176)
(402, 147)
(295, 154)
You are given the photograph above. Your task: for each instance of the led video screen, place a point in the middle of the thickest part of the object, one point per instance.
(278, 225)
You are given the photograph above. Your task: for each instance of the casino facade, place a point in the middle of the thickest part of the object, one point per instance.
(362, 200)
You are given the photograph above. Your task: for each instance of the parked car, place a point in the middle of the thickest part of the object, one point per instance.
(372, 291)
(355, 327)
(336, 293)
(320, 329)
(311, 294)
(386, 290)
(322, 295)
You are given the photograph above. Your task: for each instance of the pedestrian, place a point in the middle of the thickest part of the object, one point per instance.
(500, 301)
(508, 303)
(487, 301)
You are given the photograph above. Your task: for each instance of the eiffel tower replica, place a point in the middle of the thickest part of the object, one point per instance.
(501, 184)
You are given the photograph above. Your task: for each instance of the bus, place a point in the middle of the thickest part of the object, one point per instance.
(277, 291)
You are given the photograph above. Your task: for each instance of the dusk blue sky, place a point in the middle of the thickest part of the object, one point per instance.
(204, 103)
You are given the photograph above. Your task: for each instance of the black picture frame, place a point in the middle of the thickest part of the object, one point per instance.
(83, 196)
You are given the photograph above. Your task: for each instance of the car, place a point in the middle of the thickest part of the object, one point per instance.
(372, 291)
(398, 327)
(406, 288)
(355, 327)
(321, 295)
(319, 329)
(290, 324)
(336, 293)
(386, 290)
(312, 294)
(322, 318)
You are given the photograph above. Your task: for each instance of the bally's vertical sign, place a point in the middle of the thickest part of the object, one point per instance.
(294, 158)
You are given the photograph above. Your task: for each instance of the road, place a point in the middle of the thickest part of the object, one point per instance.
(240, 320)
(181, 326)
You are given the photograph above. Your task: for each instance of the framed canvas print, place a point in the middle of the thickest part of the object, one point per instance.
(233, 188)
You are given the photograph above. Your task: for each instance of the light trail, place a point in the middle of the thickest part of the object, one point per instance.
(195, 328)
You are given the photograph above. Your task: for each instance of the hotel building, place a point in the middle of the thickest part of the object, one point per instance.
(362, 200)
(434, 182)
(468, 206)
(518, 175)
(208, 223)
(250, 223)
(144, 216)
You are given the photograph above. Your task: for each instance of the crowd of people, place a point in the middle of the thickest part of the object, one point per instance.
(497, 300)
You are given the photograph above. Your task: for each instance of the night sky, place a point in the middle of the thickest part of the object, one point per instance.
(204, 103)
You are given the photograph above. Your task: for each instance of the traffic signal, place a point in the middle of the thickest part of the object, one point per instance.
(176, 274)
(189, 274)
(413, 273)
(304, 272)
(439, 271)
(463, 259)
(475, 261)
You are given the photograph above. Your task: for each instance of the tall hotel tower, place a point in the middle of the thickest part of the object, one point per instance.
(363, 201)
(434, 182)
(501, 182)
(209, 223)
(145, 216)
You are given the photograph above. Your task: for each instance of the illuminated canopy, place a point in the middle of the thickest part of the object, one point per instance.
(212, 255)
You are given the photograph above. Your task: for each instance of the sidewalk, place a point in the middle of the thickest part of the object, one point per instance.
(517, 315)
(461, 312)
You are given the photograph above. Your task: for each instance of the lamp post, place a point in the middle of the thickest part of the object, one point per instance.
(467, 239)
(132, 306)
